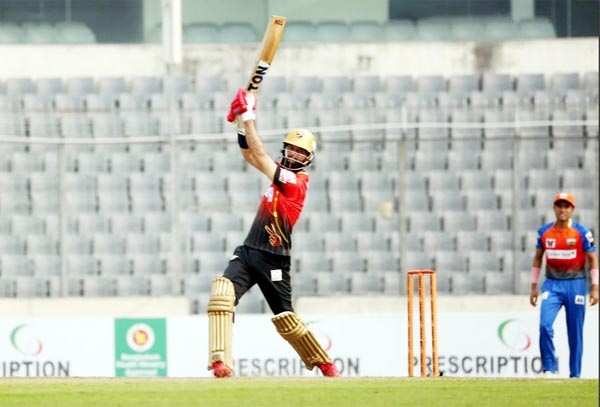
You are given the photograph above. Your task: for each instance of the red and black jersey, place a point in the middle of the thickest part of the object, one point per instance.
(278, 212)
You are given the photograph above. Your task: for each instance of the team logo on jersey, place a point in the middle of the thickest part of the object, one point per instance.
(550, 243)
(274, 238)
(571, 241)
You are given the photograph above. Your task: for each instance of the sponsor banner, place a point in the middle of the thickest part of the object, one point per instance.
(56, 347)
(469, 345)
(140, 347)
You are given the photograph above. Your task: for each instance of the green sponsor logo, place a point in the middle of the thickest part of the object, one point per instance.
(140, 348)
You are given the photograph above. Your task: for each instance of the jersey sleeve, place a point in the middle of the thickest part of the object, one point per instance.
(289, 183)
(587, 237)
(540, 233)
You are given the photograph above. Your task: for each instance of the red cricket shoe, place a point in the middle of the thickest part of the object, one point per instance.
(220, 370)
(328, 369)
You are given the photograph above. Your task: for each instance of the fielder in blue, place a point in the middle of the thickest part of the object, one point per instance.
(567, 245)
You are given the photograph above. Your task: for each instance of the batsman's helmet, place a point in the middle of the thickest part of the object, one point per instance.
(303, 139)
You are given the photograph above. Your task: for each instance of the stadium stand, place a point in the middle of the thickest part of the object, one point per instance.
(453, 193)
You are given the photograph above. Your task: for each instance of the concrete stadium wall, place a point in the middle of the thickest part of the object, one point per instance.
(112, 307)
(161, 307)
(409, 58)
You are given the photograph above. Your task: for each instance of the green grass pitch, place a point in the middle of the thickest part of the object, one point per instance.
(291, 392)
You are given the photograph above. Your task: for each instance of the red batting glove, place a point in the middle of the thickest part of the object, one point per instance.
(235, 109)
(242, 104)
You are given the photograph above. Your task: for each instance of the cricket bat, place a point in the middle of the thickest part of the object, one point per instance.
(270, 44)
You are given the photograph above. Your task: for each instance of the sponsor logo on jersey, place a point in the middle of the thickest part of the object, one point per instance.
(269, 194)
(561, 254)
(590, 238)
(571, 241)
(287, 177)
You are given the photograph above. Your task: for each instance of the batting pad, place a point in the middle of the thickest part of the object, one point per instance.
(220, 321)
(293, 330)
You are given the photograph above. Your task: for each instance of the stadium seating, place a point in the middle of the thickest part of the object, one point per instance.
(452, 191)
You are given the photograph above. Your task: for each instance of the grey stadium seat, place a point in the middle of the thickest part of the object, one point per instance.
(463, 83)
(467, 283)
(564, 156)
(333, 31)
(344, 261)
(433, 241)
(237, 32)
(391, 282)
(160, 285)
(365, 283)
(432, 29)
(303, 240)
(542, 179)
(448, 200)
(418, 260)
(496, 82)
(449, 261)
(471, 29)
(111, 85)
(471, 240)
(73, 32)
(498, 283)
(252, 303)
(353, 222)
(501, 240)
(471, 135)
(300, 31)
(200, 33)
(312, 261)
(366, 84)
(79, 85)
(44, 86)
(529, 83)
(419, 221)
(475, 179)
(345, 200)
(540, 27)
(366, 31)
(431, 83)
(373, 241)
(453, 221)
(382, 261)
(398, 84)
(491, 219)
(331, 283)
(339, 241)
(141, 243)
(564, 81)
(146, 264)
(476, 200)
(399, 30)
(442, 180)
(486, 262)
(572, 178)
(17, 86)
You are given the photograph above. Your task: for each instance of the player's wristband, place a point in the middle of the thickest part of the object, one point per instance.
(535, 274)
(242, 141)
(594, 276)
